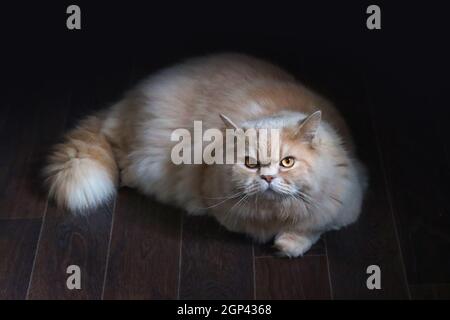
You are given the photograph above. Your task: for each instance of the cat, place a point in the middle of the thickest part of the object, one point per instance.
(315, 184)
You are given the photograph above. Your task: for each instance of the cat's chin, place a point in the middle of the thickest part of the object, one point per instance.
(271, 194)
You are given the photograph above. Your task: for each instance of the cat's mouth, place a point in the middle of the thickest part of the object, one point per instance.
(267, 191)
(271, 194)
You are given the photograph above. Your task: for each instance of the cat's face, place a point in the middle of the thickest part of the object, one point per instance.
(288, 172)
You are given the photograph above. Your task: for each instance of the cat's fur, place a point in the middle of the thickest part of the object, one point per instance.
(130, 143)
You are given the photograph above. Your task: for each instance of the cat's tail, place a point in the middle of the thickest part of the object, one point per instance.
(81, 172)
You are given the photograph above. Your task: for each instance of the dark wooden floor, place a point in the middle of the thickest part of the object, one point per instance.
(136, 248)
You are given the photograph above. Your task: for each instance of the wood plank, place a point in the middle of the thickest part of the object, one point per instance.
(267, 249)
(66, 240)
(144, 252)
(367, 242)
(430, 292)
(372, 240)
(215, 263)
(300, 278)
(18, 239)
(413, 148)
(32, 126)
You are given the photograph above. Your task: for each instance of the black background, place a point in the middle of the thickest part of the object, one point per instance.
(321, 36)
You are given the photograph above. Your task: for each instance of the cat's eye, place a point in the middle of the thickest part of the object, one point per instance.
(287, 162)
(251, 163)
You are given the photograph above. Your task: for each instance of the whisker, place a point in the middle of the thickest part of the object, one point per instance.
(337, 200)
(240, 200)
(341, 165)
(223, 201)
(246, 191)
(225, 197)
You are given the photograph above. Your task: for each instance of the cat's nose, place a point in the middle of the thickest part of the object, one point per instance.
(267, 178)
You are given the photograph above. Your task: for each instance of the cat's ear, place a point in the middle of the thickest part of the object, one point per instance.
(307, 128)
(228, 123)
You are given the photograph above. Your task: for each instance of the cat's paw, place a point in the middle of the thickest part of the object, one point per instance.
(293, 245)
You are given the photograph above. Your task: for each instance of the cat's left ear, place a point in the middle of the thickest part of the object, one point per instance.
(228, 123)
(307, 128)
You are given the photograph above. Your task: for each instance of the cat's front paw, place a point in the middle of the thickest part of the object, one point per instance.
(293, 245)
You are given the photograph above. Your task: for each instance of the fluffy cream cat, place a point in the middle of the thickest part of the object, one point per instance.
(315, 184)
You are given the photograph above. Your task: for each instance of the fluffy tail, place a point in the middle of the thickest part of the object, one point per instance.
(81, 172)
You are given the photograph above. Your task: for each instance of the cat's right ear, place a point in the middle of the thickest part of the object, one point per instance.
(307, 128)
(228, 123)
